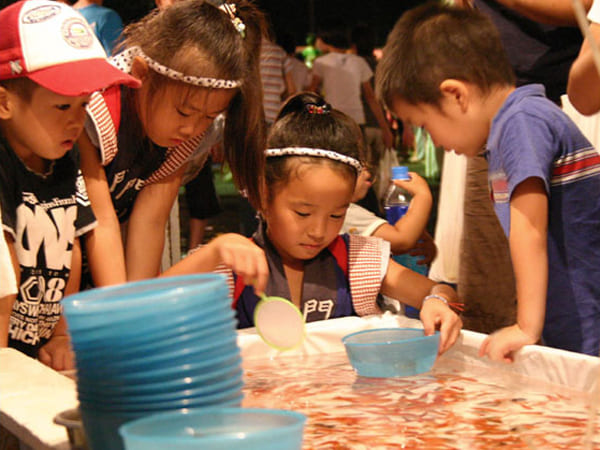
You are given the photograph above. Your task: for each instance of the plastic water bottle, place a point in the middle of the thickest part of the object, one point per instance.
(397, 202)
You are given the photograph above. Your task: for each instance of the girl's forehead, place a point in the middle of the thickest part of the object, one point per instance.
(313, 180)
(200, 98)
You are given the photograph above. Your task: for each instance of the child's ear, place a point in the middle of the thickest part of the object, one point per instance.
(5, 104)
(139, 68)
(455, 91)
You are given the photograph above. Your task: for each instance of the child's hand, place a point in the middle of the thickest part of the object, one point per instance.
(436, 314)
(243, 257)
(502, 344)
(416, 185)
(57, 353)
(425, 247)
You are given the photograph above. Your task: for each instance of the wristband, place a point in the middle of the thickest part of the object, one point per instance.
(439, 297)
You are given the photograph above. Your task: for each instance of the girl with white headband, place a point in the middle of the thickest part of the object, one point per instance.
(196, 59)
(311, 170)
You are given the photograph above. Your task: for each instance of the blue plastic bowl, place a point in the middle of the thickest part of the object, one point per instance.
(217, 331)
(209, 394)
(102, 428)
(214, 400)
(130, 300)
(144, 331)
(163, 373)
(134, 394)
(149, 360)
(216, 429)
(183, 377)
(391, 352)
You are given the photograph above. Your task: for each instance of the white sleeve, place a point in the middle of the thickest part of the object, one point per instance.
(594, 12)
(360, 221)
(365, 71)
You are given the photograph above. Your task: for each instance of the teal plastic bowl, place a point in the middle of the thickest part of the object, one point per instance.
(391, 352)
(216, 429)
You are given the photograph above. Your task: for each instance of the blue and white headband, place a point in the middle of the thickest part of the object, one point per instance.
(318, 152)
(124, 60)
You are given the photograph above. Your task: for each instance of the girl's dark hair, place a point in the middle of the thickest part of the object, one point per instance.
(196, 38)
(306, 120)
(435, 42)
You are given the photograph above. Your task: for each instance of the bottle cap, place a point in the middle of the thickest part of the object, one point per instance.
(400, 173)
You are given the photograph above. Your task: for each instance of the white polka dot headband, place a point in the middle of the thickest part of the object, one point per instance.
(304, 151)
(214, 83)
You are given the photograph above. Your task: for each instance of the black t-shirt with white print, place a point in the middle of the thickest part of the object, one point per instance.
(43, 214)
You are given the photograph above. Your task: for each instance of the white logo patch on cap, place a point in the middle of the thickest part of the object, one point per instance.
(76, 33)
(40, 14)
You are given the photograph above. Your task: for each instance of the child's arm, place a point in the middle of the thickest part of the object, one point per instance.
(411, 288)
(6, 302)
(103, 244)
(557, 12)
(57, 352)
(425, 247)
(146, 229)
(584, 78)
(235, 251)
(405, 233)
(528, 249)
(387, 135)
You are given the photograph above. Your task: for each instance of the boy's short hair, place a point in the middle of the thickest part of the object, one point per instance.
(334, 32)
(53, 45)
(23, 87)
(435, 42)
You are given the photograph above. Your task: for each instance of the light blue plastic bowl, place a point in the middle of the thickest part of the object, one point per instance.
(132, 393)
(391, 352)
(96, 307)
(167, 373)
(216, 331)
(102, 428)
(205, 395)
(148, 360)
(216, 429)
(214, 400)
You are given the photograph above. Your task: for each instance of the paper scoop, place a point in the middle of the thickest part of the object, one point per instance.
(279, 323)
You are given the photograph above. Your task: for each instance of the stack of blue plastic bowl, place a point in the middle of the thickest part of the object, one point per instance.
(152, 346)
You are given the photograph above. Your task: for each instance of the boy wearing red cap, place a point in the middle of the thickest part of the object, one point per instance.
(50, 63)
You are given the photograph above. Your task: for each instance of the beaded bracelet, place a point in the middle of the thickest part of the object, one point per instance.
(439, 297)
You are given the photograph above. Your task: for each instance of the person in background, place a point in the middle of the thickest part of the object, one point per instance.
(196, 61)
(548, 207)
(105, 22)
(45, 208)
(311, 173)
(345, 78)
(583, 87)
(277, 84)
(276, 76)
(301, 74)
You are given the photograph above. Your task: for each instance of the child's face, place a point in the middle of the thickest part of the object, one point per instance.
(449, 126)
(170, 117)
(44, 127)
(307, 213)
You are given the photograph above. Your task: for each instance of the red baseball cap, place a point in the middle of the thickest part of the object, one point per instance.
(52, 44)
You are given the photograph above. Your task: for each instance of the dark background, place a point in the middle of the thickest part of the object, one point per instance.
(298, 17)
